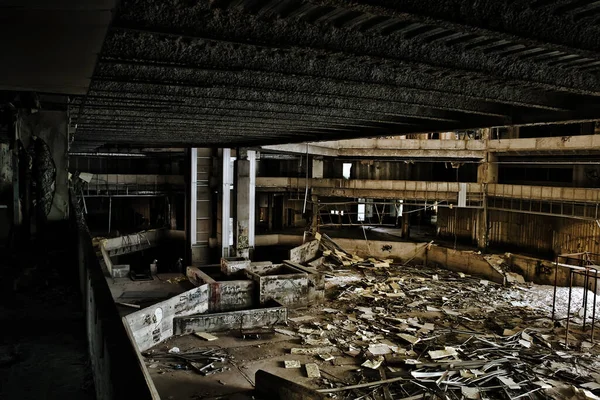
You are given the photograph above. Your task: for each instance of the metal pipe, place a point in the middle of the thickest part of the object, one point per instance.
(555, 286)
(585, 296)
(94, 154)
(594, 308)
(109, 213)
(569, 308)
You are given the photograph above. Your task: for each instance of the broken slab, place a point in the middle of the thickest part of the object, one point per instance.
(225, 294)
(282, 283)
(305, 252)
(154, 324)
(312, 370)
(231, 265)
(292, 364)
(316, 282)
(273, 314)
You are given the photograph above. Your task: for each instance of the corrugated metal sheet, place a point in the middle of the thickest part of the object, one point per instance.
(531, 233)
(576, 236)
(462, 221)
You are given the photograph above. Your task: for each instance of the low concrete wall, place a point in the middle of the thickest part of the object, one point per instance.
(286, 285)
(154, 324)
(304, 252)
(276, 239)
(116, 365)
(542, 272)
(468, 262)
(233, 320)
(229, 295)
(383, 249)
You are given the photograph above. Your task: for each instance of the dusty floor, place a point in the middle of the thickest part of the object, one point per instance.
(491, 342)
(43, 348)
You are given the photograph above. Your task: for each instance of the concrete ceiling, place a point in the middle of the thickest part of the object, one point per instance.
(51, 46)
(250, 72)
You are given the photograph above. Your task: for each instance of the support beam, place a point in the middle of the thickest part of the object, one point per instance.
(227, 176)
(192, 232)
(244, 187)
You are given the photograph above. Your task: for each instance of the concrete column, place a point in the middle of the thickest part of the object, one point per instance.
(317, 168)
(314, 222)
(487, 172)
(193, 199)
(227, 180)
(405, 222)
(482, 225)
(245, 202)
(270, 205)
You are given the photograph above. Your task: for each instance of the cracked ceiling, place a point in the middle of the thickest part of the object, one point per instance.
(251, 72)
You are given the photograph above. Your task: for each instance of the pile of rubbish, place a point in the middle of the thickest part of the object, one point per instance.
(415, 332)
(338, 257)
(203, 361)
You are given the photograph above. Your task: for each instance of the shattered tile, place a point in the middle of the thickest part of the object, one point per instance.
(471, 393)
(379, 349)
(292, 364)
(447, 352)
(374, 363)
(312, 370)
(409, 338)
(326, 357)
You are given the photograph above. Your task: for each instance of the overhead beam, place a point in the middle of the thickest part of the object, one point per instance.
(237, 26)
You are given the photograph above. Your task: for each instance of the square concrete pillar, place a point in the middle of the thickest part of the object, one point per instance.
(317, 168)
(245, 183)
(487, 172)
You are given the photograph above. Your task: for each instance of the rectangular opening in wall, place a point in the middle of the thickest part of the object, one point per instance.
(346, 168)
(361, 212)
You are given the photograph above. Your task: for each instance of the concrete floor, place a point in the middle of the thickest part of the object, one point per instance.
(484, 308)
(43, 347)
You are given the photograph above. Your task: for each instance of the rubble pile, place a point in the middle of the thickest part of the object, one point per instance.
(415, 332)
(203, 361)
(337, 257)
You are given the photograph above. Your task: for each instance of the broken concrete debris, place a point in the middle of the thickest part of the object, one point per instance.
(292, 364)
(312, 370)
(206, 336)
(412, 332)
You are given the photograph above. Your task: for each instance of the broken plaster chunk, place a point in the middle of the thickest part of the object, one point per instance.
(312, 351)
(292, 364)
(206, 336)
(525, 343)
(483, 282)
(509, 383)
(591, 385)
(447, 352)
(302, 318)
(471, 393)
(326, 357)
(312, 370)
(317, 342)
(510, 332)
(286, 332)
(378, 349)
(373, 364)
(409, 338)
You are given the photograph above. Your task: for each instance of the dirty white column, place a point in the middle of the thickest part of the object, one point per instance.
(226, 200)
(193, 196)
(244, 187)
(317, 168)
(487, 173)
(252, 198)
